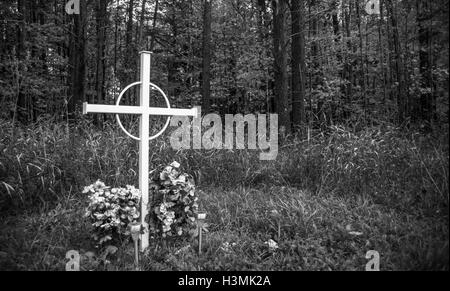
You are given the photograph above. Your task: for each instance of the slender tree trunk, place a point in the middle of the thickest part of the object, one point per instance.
(362, 73)
(101, 7)
(129, 29)
(426, 98)
(398, 63)
(316, 68)
(347, 69)
(130, 54)
(155, 18)
(116, 38)
(298, 63)
(35, 107)
(172, 62)
(265, 52)
(206, 72)
(336, 28)
(382, 58)
(21, 104)
(337, 40)
(141, 26)
(77, 59)
(279, 8)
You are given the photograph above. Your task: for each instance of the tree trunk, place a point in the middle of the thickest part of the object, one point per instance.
(206, 72)
(398, 63)
(77, 59)
(101, 7)
(141, 26)
(20, 111)
(279, 8)
(426, 96)
(337, 39)
(317, 76)
(265, 52)
(348, 66)
(382, 58)
(130, 71)
(298, 63)
(362, 73)
(172, 61)
(155, 17)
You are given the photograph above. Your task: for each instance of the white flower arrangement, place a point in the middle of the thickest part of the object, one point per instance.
(174, 205)
(111, 210)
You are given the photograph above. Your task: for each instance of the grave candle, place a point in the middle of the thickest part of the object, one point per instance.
(201, 216)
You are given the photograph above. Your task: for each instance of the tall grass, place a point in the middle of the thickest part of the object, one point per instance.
(48, 161)
(390, 184)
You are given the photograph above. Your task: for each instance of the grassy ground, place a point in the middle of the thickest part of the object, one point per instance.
(326, 201)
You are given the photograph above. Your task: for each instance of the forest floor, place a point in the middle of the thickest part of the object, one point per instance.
(316, 233)
(325, 202)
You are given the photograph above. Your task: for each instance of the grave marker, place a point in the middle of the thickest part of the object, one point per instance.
(144, 110)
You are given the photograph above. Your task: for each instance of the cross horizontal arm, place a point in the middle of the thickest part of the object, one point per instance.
(171, 111)
(91, 108)
(120, 109)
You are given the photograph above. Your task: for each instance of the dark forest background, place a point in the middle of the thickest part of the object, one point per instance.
(313, 62)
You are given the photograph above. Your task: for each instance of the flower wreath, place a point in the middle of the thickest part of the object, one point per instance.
(174, 205)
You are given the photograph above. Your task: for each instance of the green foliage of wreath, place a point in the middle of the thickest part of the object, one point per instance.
(173, 209)
(111, 211)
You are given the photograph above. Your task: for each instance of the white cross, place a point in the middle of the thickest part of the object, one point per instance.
(145, 111)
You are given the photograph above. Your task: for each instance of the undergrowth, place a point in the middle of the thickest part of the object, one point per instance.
(387, 183)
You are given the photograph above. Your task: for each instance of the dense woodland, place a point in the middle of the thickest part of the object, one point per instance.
(362, 103)
(314, 62)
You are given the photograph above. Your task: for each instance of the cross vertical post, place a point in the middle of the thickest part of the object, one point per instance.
(144, 144)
